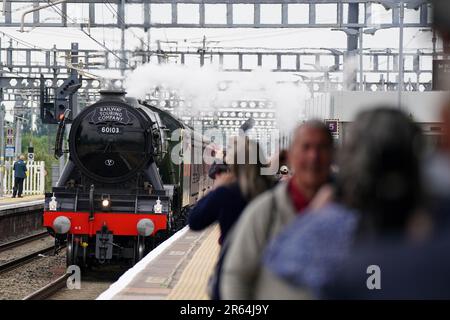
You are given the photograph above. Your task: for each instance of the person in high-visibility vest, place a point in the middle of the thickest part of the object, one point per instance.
(20, 173)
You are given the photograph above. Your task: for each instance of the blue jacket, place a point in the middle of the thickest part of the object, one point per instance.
(224, 205)
(20, 169)
(308, 251)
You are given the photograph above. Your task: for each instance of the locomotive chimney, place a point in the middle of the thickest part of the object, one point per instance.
(111, 94)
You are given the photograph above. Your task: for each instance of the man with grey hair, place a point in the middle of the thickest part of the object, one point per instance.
(309, 157)
(20, 169)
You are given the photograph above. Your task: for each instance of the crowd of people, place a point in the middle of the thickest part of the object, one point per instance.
(374, 227)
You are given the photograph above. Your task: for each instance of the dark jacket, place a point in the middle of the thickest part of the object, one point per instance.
(20, 169)
(406, 271)
(223, 205)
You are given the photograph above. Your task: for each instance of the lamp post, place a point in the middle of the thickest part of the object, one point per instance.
(372, 32)
(361, 67)
(400, 55)
(18, 144)
(359, 32)
(410, 4)
(326, 70)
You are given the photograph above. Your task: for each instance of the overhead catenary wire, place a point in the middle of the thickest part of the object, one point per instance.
(65, 16)
(261, 33)
(23, 42)
(116, 13)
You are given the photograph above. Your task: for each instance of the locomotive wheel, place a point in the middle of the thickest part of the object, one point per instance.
(69, 250)
(73, 246)
(139, 251)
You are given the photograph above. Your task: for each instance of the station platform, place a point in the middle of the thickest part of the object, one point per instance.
(8, 203)
(178, 269)
(20, 217)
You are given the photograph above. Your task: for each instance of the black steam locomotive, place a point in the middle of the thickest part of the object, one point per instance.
(121, 192)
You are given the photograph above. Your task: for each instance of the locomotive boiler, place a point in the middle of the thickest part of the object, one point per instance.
(120, 192)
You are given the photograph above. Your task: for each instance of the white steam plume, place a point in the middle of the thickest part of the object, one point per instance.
(201, 86)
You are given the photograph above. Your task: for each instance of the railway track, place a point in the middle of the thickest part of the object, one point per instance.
(22, 241)
(92, 285)
(28, 264)
(49, 290)
(10, 265)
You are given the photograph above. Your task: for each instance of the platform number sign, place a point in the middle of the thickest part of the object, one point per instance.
(333, 126)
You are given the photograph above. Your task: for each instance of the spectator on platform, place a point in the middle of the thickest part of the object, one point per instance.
(217, 169)
(437, 173)
(225, 204)
(284, 174)
(411, 271)
(396, 267)
(277, 162)
(310, 157)
(20, 173)
(378, 193)
(238, 184)
(220, 173)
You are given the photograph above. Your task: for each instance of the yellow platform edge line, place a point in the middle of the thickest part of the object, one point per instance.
(194, 279)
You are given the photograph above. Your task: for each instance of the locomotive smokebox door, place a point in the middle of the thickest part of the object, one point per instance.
(104, 245)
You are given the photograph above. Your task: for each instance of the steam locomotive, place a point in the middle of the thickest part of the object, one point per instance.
(120, 193)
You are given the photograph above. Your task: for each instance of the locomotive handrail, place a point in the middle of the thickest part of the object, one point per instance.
(91, 202)
(76, 200)
(136, 204)
(60, 135)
